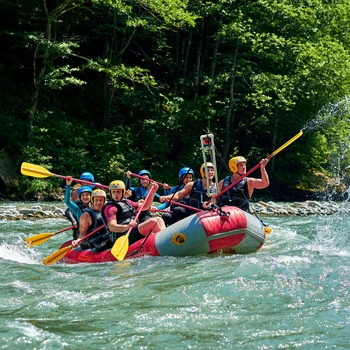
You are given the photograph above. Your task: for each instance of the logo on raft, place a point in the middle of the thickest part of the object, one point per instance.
(178, 238)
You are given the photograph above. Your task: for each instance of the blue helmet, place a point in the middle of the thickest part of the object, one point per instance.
(84, 189)
(87, 176)
(144, 172)
(184, 171)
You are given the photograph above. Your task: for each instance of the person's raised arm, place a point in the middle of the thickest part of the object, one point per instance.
(178, 195)
(259, 183)
(149, 199)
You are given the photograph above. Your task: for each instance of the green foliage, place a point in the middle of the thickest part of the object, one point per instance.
(111, 85)
(29, 187)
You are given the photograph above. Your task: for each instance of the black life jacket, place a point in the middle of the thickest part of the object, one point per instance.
(97, 220)
(237, 195)
(81, 205)
(125, 213)
(199, 194)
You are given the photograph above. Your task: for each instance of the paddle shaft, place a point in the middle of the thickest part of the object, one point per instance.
(152, 191)
(151, 180)
(32, 170)
(59, 254)
(258, 165)
(184, 205)
(81, 181)
(43, 237)
(91, 233)
(63, 230)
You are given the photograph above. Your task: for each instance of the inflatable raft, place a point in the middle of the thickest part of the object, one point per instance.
(229, 230)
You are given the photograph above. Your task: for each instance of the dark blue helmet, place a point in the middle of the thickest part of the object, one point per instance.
(143, 173)
(87, 176)
(184, 171)
(84, 189)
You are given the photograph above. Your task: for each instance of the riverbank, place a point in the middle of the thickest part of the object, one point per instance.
(36, 211)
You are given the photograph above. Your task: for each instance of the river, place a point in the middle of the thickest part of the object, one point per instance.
(292, 294)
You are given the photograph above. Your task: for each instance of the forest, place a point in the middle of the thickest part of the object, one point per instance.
(107, 86)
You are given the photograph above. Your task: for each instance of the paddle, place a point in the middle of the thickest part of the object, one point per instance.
(183, 205)
(147, 179)
(59, 254)
(121, 245)
(258, 165)
(43, 237)
(41, 173)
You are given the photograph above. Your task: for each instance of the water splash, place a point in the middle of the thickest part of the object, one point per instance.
(331, 118)
(330, 113)
(15, 253)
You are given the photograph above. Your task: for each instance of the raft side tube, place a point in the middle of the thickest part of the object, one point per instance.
(186, 237)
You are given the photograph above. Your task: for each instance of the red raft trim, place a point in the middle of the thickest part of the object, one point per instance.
(213, 225)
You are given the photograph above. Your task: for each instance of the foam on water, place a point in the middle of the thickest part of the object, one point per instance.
(18, 254)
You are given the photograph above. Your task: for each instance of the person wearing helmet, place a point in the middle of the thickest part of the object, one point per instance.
(118, 216)
(85, 176)
(239, 194)
(139, 193)
(196, 192)
(186, 175)
(90, 220)
(76, 208)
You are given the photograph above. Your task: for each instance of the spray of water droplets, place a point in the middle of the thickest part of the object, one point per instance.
(329, 114)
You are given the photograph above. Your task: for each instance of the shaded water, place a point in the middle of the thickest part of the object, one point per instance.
(294, 293)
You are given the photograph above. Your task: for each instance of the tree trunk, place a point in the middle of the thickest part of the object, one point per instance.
(38, 78)
(198, 63)
(230, 116)
(187, 55)
(41, 57)
(212, 70)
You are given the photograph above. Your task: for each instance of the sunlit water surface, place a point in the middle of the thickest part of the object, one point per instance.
(293, 294)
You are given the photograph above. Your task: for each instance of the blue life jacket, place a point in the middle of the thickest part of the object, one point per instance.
(199, 194)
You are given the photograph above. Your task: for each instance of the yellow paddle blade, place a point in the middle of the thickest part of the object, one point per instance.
(288, 143)
(34, 170)
(57, 255)
(38, 239)
(120, 247)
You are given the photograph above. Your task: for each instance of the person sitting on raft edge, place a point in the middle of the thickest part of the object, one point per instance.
(196, 192)
(90, 220)
(118, 216)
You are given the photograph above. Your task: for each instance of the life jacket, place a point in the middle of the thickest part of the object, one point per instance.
(97, 221)
(96, 218)
(81, 205)
(237, 195)
(138, 193)
(199, 194)
(184, 200)
(125, 213)
(141, 193)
